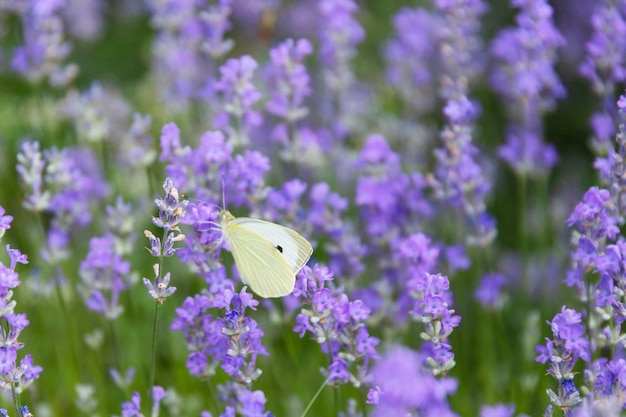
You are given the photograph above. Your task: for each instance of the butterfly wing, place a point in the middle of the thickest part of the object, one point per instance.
(268, 255)
(295, 249)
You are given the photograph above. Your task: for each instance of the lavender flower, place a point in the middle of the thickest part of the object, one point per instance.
(238, 95)
(458, 179)
(338, 325)
(14, 377)
(201, 170)
(605, 67)
(561, 354)
(120, 222)
(85, 20)
(171, 212)
(31, 166)
(489, 292)
(5, 222)
(73, 175)
(390, 200)
(612, 167)
(411, 56)
(101, 114)
(103, 275)
(188, 45)
(461, 45)
(288, 80)
(231, 341)
(132, 408)
(404, 387)
(339, 35)
(594, 221)
(498, 410)
(41, 57)
(431, 308)
(527, 81)
(243, 334)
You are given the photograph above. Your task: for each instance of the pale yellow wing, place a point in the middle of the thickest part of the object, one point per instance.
(268, 256)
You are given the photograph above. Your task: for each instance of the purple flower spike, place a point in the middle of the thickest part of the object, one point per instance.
(458, 179)
(42, 55)
(561, 354)
(289, 82)
(338, 324)
(230, 340)
(189, 42)
(498, 410)
(529, 84)
(15, 376)
(238, 95)
(489, 292)
(104, 275)
(403, 387)
(605, 67)
(411, 56)
(339, 35)
(431, 308)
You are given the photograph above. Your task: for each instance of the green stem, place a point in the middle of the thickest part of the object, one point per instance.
(317, 393)
(523, 223)
(153, 352)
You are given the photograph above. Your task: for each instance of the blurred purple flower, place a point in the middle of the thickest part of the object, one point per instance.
(390, 200)
(458, 180)
(339, 34)
(101, 114)
(41, 57)
(497, 410)
(594, 217)
(489, 292)
(288, 80)
(527, 54)
(132, 408)
(75, 177)
(411, 56)
(460, 46)
(5, 221)
(404, 387)
(529, 84)
(189, 42)
(527, 154)
(605, 67)
(212, 165)
(103, 274)
(31, 167)
(85, 19)
(238, 94)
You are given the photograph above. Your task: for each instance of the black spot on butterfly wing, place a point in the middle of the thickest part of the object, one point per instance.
(280, 248)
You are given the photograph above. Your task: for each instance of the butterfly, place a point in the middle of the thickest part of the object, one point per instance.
(268, 256)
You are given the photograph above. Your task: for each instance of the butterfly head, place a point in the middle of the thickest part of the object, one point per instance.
(225, 218)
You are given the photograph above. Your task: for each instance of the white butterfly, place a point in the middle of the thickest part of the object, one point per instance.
(268, 256)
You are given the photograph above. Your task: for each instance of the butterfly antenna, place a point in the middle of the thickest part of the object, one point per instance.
(223, 194)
